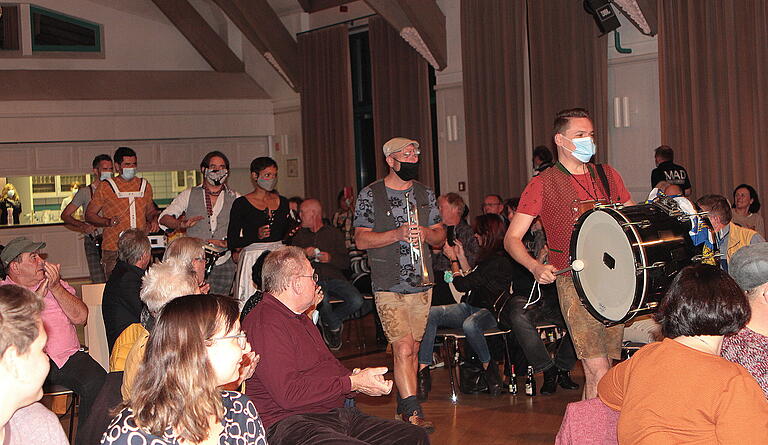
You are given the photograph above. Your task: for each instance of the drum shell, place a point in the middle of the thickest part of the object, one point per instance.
(656, 239)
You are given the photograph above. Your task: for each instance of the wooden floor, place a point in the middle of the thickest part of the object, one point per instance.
(476, 419)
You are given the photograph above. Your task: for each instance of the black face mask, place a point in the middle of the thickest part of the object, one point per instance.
(408, 171)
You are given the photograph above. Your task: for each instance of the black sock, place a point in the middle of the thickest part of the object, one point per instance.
(410, 405)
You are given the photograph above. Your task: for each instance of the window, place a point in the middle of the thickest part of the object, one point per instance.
(53, 31)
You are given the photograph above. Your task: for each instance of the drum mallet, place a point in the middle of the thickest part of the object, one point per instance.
(576, 266)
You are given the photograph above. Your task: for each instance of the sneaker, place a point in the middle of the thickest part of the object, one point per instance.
(332, 338)
(415, 419)
(437, 361)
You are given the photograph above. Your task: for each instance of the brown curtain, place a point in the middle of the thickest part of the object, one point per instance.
(400, 84)
(713, 76)
(326, 114)
(493, 61)
(569, 68)
(10, 21)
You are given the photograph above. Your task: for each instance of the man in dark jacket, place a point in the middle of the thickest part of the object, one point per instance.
(121, 305)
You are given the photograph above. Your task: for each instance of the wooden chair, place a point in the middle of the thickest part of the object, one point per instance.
(70, 405)
(95, 334)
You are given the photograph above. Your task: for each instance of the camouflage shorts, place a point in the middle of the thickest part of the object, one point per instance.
(403, 314)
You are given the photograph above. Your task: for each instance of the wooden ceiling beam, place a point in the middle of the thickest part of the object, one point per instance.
(421, 23)
(199, 33)
(310, 6)
(262, 27)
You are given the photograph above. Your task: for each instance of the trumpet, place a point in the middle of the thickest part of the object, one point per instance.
(417, 248)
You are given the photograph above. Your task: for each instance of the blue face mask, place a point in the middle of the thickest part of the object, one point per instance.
(585, 148)
(128, 173)
(105, 175)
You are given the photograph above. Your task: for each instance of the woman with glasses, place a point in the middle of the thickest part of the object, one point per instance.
(189, 253)
(195, 348)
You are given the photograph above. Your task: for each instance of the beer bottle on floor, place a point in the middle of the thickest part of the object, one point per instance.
(513, 382)
(530, 383)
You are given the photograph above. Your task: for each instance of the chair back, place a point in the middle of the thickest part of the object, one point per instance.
(95, 334)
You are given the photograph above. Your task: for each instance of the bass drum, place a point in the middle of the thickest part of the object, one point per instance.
(630, 256)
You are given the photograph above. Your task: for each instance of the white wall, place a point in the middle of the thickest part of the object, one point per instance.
(137, 36)
(634, 132)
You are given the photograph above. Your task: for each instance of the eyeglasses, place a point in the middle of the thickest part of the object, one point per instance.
(314, 277)
(242, 340)
(408, 154)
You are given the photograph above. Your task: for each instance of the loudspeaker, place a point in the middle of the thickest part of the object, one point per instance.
(603, 14)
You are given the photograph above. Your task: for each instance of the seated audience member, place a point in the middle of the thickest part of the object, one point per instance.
(452, 207)
(324, 246)
(680, 390)
(162, 283)
(70, 366)
(188, 253)
(749, 347)
(542, 159)
(493, 204)
(121, 306)
(23, 367)
(523, 321)
(729, 237)
(746, 204)
(195, 348)
(482, 285)
(302, 389)
(256, 278)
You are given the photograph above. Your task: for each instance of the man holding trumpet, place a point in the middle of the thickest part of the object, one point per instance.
(396, 220)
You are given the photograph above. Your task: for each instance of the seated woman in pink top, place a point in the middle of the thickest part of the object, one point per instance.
(23, 367)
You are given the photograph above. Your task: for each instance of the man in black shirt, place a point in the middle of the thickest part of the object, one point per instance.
(326, 249)
(667, 171)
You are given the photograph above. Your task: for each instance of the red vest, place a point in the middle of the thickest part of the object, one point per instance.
(560, 208)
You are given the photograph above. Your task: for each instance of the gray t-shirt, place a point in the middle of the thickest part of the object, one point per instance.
(365, 217)
(82, 198)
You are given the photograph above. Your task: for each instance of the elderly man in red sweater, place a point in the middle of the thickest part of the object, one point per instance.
(304, 395)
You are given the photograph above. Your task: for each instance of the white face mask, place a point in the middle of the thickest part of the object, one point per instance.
(128, 173)
(11, 193)
(105, 175)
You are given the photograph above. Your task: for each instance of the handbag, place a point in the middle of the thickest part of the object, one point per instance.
(472, 376)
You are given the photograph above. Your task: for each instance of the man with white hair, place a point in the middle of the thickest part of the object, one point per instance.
(302, 392)
(749, 347)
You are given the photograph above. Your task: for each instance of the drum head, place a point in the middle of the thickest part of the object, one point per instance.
(607, 284)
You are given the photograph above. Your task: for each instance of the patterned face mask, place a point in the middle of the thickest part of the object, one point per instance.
(216, 177)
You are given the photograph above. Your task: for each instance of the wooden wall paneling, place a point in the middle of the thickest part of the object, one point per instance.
(86, 152)
(176, 155)
(54, 158)
(16, 161)
(247, 151)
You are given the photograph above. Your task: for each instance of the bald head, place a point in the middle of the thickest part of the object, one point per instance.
(311, 214)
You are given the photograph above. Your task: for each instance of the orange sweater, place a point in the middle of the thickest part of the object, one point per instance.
(669, 393)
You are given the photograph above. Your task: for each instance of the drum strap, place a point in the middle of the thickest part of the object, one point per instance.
(604, 179)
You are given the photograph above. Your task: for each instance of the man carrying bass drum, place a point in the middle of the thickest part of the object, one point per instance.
(559, 195)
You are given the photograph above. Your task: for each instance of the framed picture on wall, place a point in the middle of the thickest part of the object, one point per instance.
(292, 168)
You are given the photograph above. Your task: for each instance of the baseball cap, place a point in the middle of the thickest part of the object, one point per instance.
(396, 144)
(749, 266)
(17, 246)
